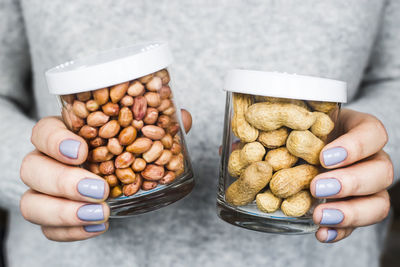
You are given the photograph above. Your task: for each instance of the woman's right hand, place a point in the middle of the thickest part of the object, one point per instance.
(65, 200)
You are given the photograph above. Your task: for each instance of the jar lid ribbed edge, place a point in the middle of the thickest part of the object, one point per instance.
(285, 85)
(108, 68)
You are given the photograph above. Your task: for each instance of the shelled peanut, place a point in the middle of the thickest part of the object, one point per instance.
(132, 132)
(286, 135)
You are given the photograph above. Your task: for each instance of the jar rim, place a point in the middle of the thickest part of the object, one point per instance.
(108, 68)
(285, 85)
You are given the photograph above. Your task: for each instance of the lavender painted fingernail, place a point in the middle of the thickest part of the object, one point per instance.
(331, 217)
(91, 212)
(93, 188)
(332, 234)
(95, 228)
(327, 187)
(70, 148)
(334, 156)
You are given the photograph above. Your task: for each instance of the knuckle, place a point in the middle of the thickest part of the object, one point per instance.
(61, 185)
(70, 234)
(375, 123)
(64, 217)
(47, 233)
(59, 234)
(23, 206)
(34, 133)
(389, 177)
(381, 128)
(352, 217)
(357, 148)
(51, 142)
(353, 182)
(390, 172)
(386, 164)
(386, 205)
(23, 172)
(36, 129)
(64, 185)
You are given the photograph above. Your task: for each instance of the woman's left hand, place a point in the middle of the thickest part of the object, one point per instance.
(357, 187)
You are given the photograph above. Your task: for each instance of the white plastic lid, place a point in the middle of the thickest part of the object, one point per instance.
(108, 68)
(285, 85)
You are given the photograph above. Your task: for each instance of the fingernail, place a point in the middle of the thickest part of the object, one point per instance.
(327, 187)
(93, 188)
(331, 217)
(332, 234)
(95, 228)
(70, 148)
(334, 156)
(91, 212)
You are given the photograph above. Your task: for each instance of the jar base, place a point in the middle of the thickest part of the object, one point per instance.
(289, 226)
(121, 208)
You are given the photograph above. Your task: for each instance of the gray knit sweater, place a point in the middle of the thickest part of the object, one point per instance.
(355, 41)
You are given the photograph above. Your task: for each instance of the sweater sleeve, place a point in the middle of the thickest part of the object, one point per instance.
(15, 102)
(380, 91)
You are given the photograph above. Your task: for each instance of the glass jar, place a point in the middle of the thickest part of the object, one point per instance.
(121, 103)
(276, 125)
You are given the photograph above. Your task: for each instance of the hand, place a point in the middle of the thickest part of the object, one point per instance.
(356, 188)
(67, 201)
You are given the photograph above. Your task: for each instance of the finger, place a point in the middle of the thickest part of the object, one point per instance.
(51, 137)
(48, 176)
(186, 120)
(359, 211)
(331, 235)
(364, 178)
(364, 136)
(52, 211)
(75, 233)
